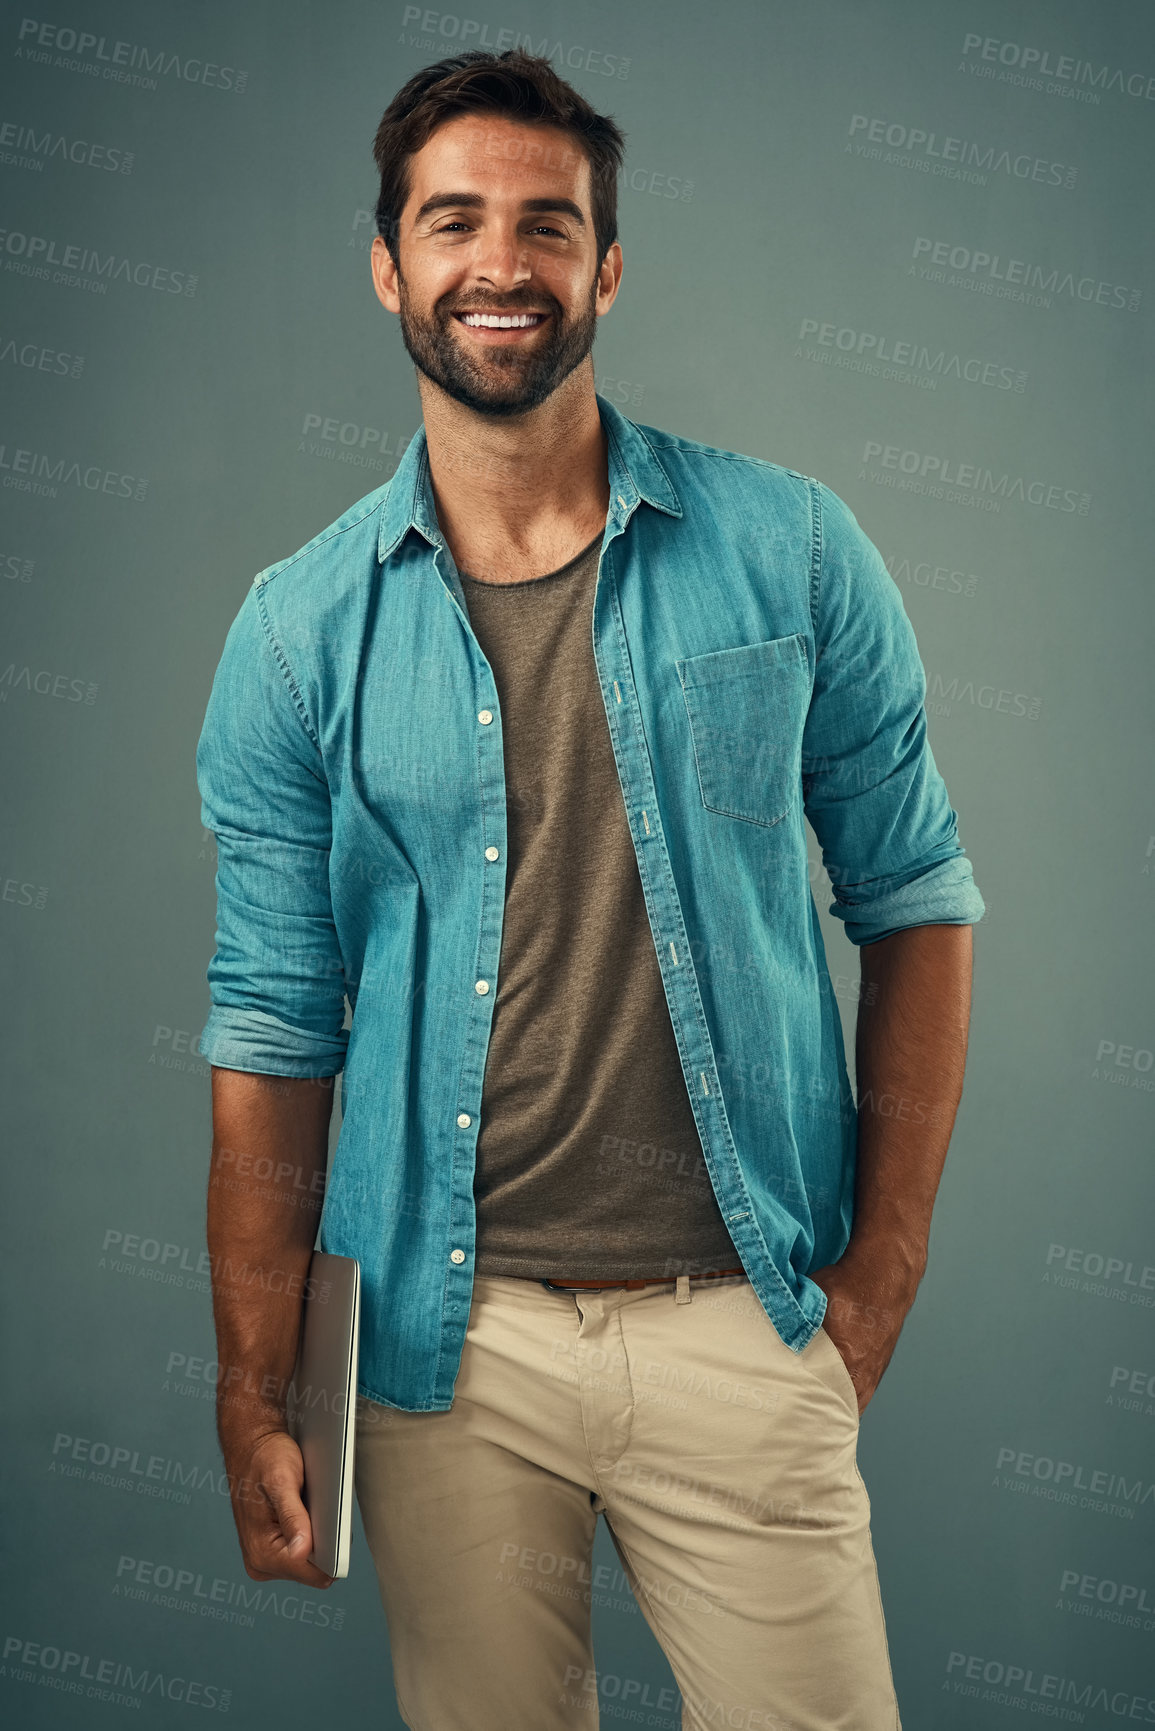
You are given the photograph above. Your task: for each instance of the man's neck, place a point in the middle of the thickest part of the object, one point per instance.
(517, 498)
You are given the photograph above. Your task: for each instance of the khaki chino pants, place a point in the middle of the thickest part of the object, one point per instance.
(725, 1465)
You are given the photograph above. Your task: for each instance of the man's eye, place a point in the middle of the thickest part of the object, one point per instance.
(541, 226)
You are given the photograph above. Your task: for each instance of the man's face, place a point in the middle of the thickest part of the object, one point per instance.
(498, 220)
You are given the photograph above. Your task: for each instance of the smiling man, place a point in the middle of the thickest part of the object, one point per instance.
(518, 758)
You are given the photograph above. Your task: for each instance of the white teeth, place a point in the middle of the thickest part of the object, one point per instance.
(493, 322)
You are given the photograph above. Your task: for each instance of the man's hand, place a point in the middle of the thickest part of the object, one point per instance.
(259, 1123)
(867, 1300)
(910, 1053)
(265, 1480)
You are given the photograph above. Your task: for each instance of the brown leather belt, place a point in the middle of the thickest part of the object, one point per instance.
(648, 1280)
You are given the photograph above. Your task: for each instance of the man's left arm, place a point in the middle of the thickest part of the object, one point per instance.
(910, 1056)
(904, 889)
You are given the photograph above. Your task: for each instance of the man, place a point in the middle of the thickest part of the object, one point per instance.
(516, 755)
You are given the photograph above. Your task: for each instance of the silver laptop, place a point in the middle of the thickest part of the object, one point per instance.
(322, 1404)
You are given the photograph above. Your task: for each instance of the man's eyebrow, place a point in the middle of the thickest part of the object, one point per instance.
(476, 201)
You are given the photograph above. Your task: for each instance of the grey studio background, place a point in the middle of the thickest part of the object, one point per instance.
(904, 247)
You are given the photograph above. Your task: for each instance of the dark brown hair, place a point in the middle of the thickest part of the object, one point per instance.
(523, 86)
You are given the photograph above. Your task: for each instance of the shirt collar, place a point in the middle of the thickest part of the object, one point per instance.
(634, 474)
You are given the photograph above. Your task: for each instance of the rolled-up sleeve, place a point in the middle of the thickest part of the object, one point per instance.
(277, 983)
(872, 792)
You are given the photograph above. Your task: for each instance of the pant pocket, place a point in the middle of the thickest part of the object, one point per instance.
(824, 1361)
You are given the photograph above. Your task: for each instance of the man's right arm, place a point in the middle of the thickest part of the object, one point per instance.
(266, 1187)
(275, 1040)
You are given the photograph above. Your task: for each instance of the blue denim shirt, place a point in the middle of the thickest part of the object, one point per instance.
(757, 670)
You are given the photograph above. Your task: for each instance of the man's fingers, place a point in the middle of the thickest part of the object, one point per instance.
(290, 1515)
(272, 1521)
(307, 1574)
(273, 1553)
(282, 1487)
(288, 1531)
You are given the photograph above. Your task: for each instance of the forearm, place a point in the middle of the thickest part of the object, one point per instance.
(266, 1188)
(910, 1053)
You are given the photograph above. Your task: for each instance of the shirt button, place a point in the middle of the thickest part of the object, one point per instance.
(481, 988)
(485, 716)
(457, 1256)
(464, 1120)
(491, 853)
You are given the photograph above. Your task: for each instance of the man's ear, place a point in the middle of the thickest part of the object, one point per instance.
(384, 273)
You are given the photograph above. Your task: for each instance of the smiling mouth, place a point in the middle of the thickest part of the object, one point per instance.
(501, 321)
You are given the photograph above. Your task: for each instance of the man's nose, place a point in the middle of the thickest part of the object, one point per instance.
(501, 258)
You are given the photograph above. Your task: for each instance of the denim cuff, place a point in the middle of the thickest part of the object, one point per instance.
(946, 895)
(236, 1039)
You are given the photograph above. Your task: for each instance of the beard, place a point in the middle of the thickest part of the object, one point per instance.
(496, 381)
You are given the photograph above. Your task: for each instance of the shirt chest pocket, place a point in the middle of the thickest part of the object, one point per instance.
(747, 711)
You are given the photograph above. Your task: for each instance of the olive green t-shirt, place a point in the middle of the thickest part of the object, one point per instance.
(589, 1161)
